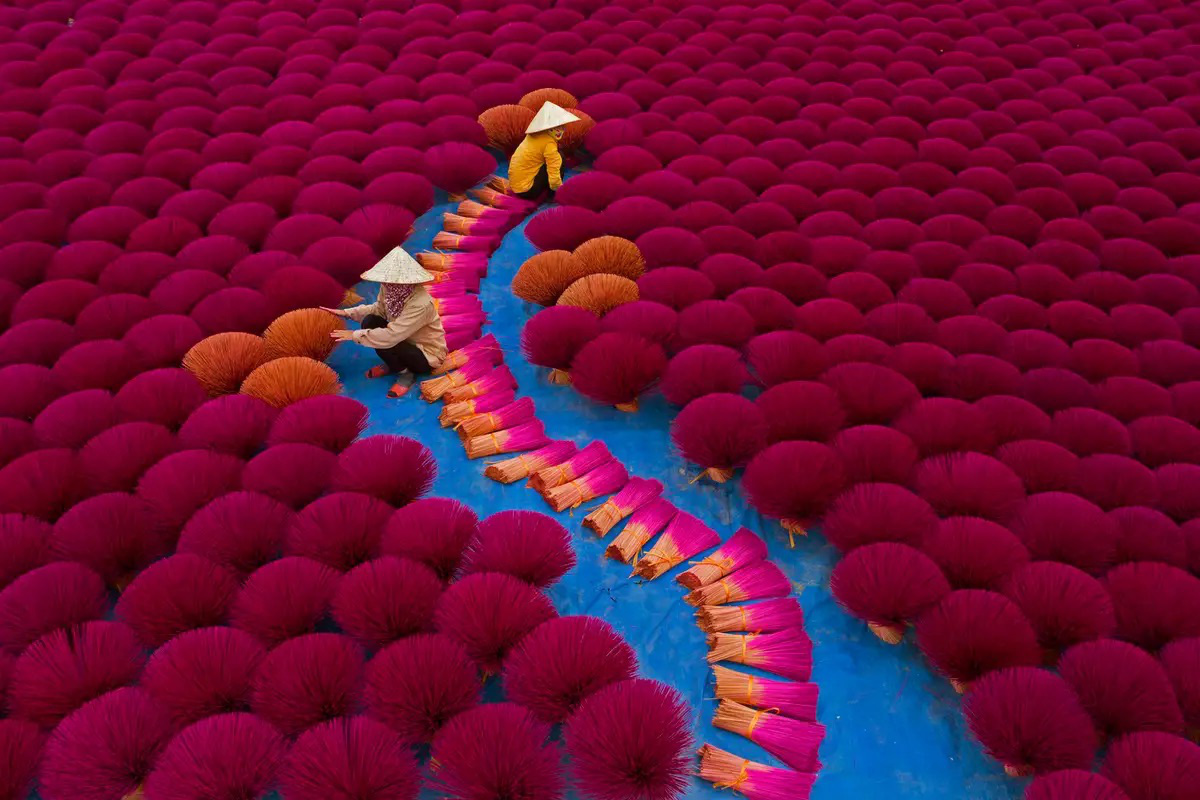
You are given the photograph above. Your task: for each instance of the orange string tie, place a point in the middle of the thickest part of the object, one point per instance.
(736, 783)
(749, 690)
(745, 624)
(758, 715)
(496, 443)
(728, 591)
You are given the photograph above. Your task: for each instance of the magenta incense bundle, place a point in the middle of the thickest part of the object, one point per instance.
(587, 459)
(508, 416)
(793, 742)
(635, 494)
(482, 349)
(435, 388)
(643, 525)
(605, 479)
(795, 699)
(497, 379)
(787, 653)
(522, 466)
(742, 549)
(760, 581)
(765, 617)
(752, 780)
(453, 413)
(526, 436)
(685, 536)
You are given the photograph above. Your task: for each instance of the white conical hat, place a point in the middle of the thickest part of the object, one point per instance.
(551, 116)
(397, 267)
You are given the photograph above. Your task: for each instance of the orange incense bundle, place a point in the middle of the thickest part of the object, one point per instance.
(497, 199)
(766, 617)
(742, 549)
(476, 226)
(603, 480)
(760, 581)
(466, 244)
(434, 388)
(447, 262)
(509, 416)
(514, 469)
(633, 496)
(795, 699)
(470, 208)
(752, 780)
(497, 379)
(453, 413)
(685, 537)
(497, 183)
(793, 742)
(484, 349)
(587, 459)
(645, 523)
(529, 436)
(787, 653)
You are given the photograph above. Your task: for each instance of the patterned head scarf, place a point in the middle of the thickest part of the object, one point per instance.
(395, 295)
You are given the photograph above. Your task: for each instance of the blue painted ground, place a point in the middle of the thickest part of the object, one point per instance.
(894, 730)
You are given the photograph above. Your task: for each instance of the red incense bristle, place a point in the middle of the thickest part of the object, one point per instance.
(1065, 605)
(874, 453)
(341, 530)
(643, 525)
(239, 530)
(605, 479)
(869, 513)
(1122, 687)
(719, 432)
(331, 422)
(971, 632)
(1062, 527)
(284, 599)
(753, 780)
(525, 544)
(1153, 603)
(793, 482)
(418, 683)
(24, 546)
(294, 474)
(630, 740)
(765, 617)
(308, 680)
(497, 750)
(1153, 765)
(410, 473)
(974, 553)
(635, 494)
(740, 550)
(350, 757)
(489, 613)
(1030, 721)
(21, 746)
(106, 749)
(1073, 784)
(793, 742)
(887, 585)
(182, 483)
(226, 757)
(55, 596)
(115, 534)
(564, 661)
(1181, 660)
(794, 699)
(523, 466)
(787, 653)
(434, 531)
(203, 672)
(386, 599)
(177, 594)
(760, 581)
(685, 537)
(68, 667)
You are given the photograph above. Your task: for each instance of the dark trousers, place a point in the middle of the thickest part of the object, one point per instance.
(404, 356)
(540, 187)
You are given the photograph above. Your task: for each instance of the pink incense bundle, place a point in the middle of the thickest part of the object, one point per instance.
(454, 306)
(685, 536)
(469, 324)
(453, 413)
(526, 436)
(602, 480)
(509, 416)
(283, 599)
(477, 210)
(643, 525)
(795, 699)
(497, 199)
(760, 581)
(417, 684)
(635, 494)
(203, 672)
(21, 746)
(1073, 784)
(177, 594)
(589, 458)
(308, 680)
(489, 613)
(476, 226)
(496, 750)
(742, 549)
(787, 653)
(497, 379)
(465, 244)
(219, 758)
(514, 469)
(474, 263)
(793, 742)
(768, 616)
(752, 780)
(525, 544)
(483, 349)
(355, 755)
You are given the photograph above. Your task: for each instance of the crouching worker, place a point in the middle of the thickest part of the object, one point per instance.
(536, 166)
(402, 327)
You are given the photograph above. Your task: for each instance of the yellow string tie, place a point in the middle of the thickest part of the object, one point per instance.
(749, 690)
(524, 463)
(728, 591)
(496, 443)
(758, 715)
(736, 783)
(745, 625)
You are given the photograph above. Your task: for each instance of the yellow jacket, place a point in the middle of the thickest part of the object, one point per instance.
(537, 149)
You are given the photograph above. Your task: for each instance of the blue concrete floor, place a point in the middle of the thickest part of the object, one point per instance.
(894, 730)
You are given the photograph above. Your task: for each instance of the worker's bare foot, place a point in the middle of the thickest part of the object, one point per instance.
(401, 386)
(377, 372)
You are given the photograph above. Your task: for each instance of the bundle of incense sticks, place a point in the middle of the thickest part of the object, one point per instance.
(498, 378)
(787, 653)
(643, 525)
(461, 304)
(514, 469)
(465, 244)
(793, 742)
(443, 262)
(742, 549)
(600, 481)
(765, 617)
(754, 781)
(760, 581)
(478, 226)
(498, 183)
(639, 491)
(685, 537)
(483, 349)
(587, 459)
(448, 289)
(469, 278)
(513, 414)
(471, 208)
(453, 413)
(528, 436)
(434, 388)
(795, 699)
(472, 320)
(497, 199)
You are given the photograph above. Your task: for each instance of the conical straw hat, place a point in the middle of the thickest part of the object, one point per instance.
(397, 267)
(551, 116)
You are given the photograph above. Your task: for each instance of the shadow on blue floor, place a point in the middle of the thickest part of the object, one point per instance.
(894, 730)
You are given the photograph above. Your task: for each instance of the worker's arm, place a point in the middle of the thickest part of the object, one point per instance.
(357, 313)
(553, 165)
(414, 317)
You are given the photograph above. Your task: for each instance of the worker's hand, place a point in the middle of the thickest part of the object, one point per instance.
(341, 336)
(337, 312)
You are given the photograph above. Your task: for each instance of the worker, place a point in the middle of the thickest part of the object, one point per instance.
(536, 166)
(402, 326)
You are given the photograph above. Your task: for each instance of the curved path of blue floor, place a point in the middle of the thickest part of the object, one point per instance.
(895, 730)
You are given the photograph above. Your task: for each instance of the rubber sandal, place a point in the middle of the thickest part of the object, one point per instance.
(377, 372)
(398, 390)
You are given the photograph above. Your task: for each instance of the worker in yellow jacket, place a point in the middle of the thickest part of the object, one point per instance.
(536, 166)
